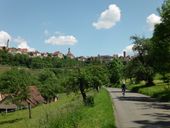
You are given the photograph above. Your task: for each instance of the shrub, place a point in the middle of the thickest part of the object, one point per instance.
(89, 101)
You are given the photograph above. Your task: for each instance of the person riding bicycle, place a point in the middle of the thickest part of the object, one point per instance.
(123, 88)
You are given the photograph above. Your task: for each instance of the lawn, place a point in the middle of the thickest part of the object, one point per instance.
(68, 112)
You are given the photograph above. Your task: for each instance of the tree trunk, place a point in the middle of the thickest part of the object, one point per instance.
(149, 82)
(29, 109)
(83, 92)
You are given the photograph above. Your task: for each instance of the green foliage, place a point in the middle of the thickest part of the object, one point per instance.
(115, 68)
(161, 40)
(16, 82)
(141, 67)
(49, 85)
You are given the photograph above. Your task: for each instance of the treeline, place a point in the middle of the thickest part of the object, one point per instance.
(24, 60)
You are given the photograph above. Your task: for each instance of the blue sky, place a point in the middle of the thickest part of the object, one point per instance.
(88, 27)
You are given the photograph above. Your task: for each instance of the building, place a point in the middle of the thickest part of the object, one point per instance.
(81, 58)
(58, 54)
(34, 99)
(70, 55)
(105, 58)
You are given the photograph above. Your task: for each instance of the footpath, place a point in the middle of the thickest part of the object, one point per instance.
(135, 110)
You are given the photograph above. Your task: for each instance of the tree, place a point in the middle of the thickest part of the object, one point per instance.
(115, 68)
(16, 82)
(141, 66)
(98, 75)
(161, 40)
(50, 85)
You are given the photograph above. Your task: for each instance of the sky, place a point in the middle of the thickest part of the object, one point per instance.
(87, 27)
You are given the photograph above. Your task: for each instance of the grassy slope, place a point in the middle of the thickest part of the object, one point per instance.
(67, 112)
(101, 115)
(19, 119)
(160, 90)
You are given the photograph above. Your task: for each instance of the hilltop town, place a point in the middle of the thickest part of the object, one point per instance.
(69, 54)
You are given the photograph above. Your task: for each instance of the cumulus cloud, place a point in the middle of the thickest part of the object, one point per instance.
(4, 37)
(108, 18)
(61, 40)
(129, 50)
(22, 43)
(152, 20)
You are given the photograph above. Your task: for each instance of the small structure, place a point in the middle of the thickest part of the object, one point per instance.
(7, 107)
(35, 97)
(6, 104)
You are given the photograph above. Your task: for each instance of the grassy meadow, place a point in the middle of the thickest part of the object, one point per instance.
(67, 112)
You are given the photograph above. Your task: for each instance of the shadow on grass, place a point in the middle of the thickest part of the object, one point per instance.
(153, 124)
(136, 88)
(10, 121)
(134, 98)
(163, 95)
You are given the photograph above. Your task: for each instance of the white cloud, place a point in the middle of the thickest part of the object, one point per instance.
(108, 18)
(128, 50)
(4, 37)
(61, 40)
(22, 43)
(152, 20)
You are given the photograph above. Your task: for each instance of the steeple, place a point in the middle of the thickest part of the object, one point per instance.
(68, 51)
(69, 54)
(7, 44)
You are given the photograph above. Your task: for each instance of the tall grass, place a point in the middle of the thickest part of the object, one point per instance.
(80, 116)
(68, 112)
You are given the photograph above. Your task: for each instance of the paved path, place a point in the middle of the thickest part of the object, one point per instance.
(139, 111)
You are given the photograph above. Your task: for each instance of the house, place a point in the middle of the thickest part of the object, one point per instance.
(105, 58)
(6, 104)
(35, 54)
(58, 54)
(44, 54)
(13, 51)
(35, 98)
(23, 50)
(81, 58)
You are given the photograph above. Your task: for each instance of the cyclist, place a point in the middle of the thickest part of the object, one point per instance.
(123, 88)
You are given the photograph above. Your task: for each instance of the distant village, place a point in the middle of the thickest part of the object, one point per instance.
(102, 58)
(35, 95)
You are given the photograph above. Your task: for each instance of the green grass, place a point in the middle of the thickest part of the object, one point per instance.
(19, 119)
(4, 68)
(160, 90)
(101, 115)
(68, 112)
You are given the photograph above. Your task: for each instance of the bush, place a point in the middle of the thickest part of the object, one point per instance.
(89, 101)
